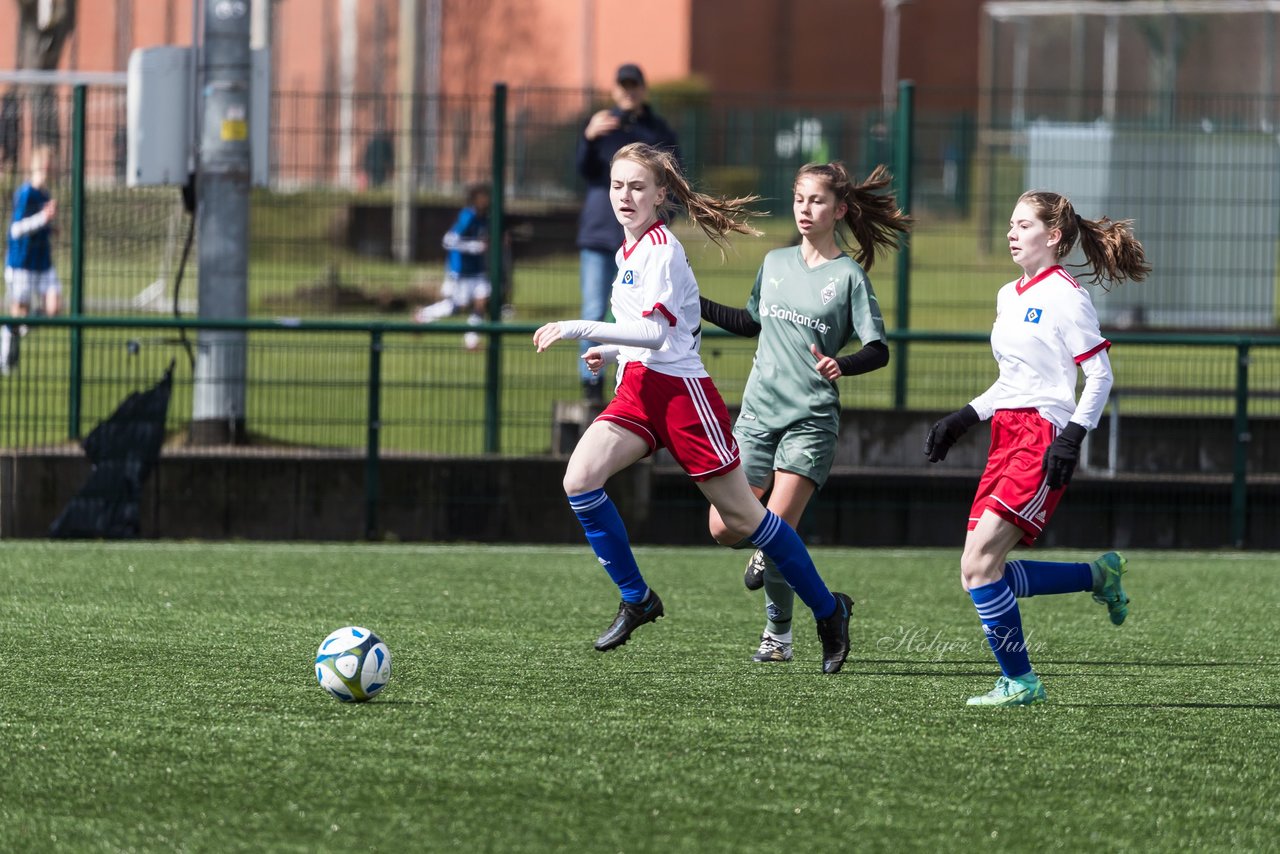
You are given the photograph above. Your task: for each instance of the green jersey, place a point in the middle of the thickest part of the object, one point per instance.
(797, 306)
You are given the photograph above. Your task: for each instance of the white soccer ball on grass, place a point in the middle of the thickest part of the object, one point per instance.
(353, 664)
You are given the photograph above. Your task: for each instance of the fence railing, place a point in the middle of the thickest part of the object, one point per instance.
(1198, 407)
(1202, 183)
(349, 373)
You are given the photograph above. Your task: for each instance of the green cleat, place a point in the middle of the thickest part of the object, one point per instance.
(1023, 691)
(1108, 591)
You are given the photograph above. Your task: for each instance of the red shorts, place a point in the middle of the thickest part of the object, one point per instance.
(1014, 485)
(685, 415)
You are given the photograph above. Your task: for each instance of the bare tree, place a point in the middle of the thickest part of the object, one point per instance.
(43, 29)
(1168, 36)
(40, 40)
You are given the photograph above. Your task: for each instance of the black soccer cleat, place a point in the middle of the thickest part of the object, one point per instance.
(834, 634)
(631, 617)
(753, 578)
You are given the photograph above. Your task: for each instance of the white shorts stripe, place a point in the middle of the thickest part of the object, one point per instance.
(1036, 504)
(705, 416)
(711, 472)
(1028, 513)
(609, 416)
(709, 421)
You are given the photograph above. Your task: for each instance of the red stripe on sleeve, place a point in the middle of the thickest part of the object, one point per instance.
(1084, 357)
(662, 309)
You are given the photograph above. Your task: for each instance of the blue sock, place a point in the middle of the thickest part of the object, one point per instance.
(784, 547)
(998, 610)
(607, 536)
(1038, 577)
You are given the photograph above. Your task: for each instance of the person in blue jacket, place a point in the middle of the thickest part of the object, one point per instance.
(631, 119)
(466, 277)
(31, 282)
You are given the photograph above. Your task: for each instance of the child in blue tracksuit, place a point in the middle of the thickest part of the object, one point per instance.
(30, 281)
(466, 278)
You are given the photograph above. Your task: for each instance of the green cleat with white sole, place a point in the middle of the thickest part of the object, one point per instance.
(1109, 568)
(1024, 691)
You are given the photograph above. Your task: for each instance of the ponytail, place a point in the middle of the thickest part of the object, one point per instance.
(1111, 250)
(872, 215)
(716, 216)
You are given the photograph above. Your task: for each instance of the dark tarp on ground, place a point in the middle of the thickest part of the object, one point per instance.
(123, 449)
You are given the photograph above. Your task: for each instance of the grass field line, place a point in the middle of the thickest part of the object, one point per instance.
(163, 698)
(316, 548)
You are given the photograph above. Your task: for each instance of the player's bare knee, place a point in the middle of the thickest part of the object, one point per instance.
(726, 537)
(580, 479)
(573, 486)
(734, 528)
(976, 571)
(720, 531)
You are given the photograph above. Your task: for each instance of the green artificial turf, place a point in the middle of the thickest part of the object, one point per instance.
(160, 697)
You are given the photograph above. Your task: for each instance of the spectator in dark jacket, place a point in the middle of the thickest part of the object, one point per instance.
(631, 119)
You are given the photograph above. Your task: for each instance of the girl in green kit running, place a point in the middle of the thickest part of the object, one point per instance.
(808, 302)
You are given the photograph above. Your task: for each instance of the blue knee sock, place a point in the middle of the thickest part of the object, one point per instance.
(784, 547)
(607, 536)
(998, 610)
(1038, 577)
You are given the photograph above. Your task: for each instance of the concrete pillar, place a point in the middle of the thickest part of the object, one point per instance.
(222, 187)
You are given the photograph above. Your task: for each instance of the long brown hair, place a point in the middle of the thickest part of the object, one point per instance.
(1110, 248)
(873, 217)
(716, 216)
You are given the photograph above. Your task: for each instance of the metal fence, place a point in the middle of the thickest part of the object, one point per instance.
(1188, 409)
(1195, 343)
(1202, 181)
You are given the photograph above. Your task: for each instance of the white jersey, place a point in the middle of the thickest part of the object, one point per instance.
(1045, 328)
(654, 277)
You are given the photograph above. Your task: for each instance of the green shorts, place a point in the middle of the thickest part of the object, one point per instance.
(802, 449)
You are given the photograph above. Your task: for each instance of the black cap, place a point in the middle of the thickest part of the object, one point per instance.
(630, 73)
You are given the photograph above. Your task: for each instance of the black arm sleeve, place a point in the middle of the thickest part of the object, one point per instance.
(735, 320)
(874, 355)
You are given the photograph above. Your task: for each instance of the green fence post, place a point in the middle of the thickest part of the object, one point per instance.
(904, 126)
(371, 484)
(1240, 468)
(497, 200)
(76, 361)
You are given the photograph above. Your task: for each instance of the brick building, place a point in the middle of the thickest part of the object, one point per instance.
(818, 47)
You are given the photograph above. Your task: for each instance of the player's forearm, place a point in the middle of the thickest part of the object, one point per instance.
(1098, 379)
(608, 352)
(735, 320)
(873, 356)
(636, 333)
(26, 225)
(983, 405)
(455, 243)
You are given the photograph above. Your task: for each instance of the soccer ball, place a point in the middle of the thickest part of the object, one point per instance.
(353, 664)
